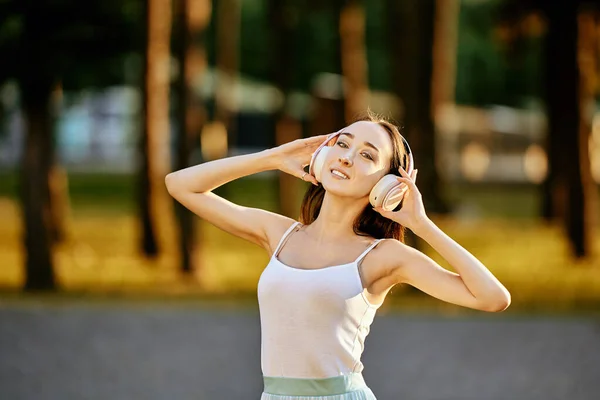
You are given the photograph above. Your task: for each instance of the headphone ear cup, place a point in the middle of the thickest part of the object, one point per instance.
(387, 193)
(319, 162)
(320, 155)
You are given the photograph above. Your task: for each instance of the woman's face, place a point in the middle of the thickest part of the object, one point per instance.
(359, 158)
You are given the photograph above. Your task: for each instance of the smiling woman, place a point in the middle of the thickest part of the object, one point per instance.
(387, 192)
(330, 271)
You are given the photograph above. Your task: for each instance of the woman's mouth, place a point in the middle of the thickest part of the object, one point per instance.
(339, 174)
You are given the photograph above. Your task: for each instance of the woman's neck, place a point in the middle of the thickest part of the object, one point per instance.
(336, 219)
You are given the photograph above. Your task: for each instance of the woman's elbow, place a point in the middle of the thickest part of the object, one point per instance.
(500, 304)
(171, 183)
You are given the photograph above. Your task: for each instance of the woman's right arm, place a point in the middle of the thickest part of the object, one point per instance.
(192, 188)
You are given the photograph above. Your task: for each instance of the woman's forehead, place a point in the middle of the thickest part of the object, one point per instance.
(371, 132)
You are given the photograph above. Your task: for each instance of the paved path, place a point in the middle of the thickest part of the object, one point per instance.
(124, 351)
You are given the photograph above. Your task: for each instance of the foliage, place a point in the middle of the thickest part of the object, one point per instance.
(85, 44)
(313, 43)
(488, 71)
(377, 47)
(80, 44)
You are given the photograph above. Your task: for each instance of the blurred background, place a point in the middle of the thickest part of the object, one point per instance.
(102, 274)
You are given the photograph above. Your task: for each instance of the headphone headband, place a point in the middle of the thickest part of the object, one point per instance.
(410, 161)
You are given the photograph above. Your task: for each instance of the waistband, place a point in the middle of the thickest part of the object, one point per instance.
(313, 387)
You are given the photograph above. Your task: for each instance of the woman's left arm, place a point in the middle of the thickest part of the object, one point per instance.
(473, 286)
(488, 293)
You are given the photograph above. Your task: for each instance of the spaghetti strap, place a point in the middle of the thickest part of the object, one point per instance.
(284, 237)
(364, 253)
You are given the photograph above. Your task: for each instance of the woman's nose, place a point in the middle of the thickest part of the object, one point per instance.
(345, 161)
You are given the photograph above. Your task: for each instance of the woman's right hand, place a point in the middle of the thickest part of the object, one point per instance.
(296, 155)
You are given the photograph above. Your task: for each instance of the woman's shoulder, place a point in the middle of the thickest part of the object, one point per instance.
(386, 251)
(276, 228)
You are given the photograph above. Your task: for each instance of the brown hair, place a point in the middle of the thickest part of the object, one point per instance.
(369, 222)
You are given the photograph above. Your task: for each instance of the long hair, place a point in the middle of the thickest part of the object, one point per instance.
(368, 222)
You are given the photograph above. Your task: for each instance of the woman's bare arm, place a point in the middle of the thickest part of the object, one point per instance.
(472, 286)
(193, 186)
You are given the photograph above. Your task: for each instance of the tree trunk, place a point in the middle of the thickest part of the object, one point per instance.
(228, 22)
(35, 190)
(554, 187)
(588, 67)
(445, 42)
(354, 59)
(565, 192)
(192, 19)
(58, 182)
(287, 128)
(154, 141)
(411, 32)
(330, 106)
(58, 186)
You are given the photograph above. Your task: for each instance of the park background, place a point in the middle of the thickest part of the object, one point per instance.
(100, 100)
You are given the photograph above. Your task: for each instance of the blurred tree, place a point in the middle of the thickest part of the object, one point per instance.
(255, 30)
(74, 43)
(377, 46)
(568, 193)
(154, 141)
(482, 73)
(354, 58)
(283, 21)
(483, 77)
(35, 183)
(443, 80)
(410, 27)
(190, 23)
(227, 65)
(327, 86)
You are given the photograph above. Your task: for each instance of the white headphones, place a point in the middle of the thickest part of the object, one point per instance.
(387, 192)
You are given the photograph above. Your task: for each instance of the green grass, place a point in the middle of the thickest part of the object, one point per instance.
(101, 256)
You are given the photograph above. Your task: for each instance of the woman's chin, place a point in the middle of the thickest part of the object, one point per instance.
(337, 187)
(343, 190)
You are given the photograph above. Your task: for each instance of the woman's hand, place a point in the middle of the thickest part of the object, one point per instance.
(412, 214)
(295, 155)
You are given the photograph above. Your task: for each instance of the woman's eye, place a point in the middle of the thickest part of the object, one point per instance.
(342, 144)
(367, 155)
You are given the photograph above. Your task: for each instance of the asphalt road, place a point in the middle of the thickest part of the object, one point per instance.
(151, 351)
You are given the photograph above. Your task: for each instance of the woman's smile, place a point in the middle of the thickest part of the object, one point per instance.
(339, 174)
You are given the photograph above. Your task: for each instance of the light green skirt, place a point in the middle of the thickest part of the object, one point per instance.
(343, 387)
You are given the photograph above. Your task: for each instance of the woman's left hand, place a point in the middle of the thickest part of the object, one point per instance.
(412, 214)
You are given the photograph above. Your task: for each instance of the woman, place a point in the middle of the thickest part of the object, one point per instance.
(329, 272)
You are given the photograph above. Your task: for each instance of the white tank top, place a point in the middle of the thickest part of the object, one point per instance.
(313, 321)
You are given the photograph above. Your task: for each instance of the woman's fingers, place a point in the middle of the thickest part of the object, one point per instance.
(408, 182)
(315, 140)
(412, 176)
(312, 180)
(306, 177)
(321, 137)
